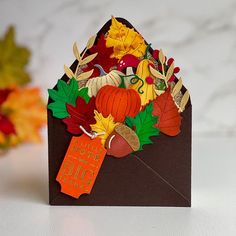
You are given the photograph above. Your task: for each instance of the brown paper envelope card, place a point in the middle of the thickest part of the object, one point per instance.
(119, 125)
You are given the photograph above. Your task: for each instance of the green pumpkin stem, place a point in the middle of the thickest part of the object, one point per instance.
(122, 84)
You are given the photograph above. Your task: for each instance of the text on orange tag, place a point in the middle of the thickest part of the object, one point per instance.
(81, 165)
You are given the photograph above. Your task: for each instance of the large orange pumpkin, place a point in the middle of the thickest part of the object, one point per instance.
(119, 102)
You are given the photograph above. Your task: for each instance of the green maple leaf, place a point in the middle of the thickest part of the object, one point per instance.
(143, 124)
(83, 92)
(65, 93)
(13, 61)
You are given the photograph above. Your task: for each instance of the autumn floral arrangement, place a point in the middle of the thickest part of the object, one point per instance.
(121, 91)
(22, 111)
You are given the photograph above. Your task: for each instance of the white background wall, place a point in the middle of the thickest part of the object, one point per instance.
(200, 35)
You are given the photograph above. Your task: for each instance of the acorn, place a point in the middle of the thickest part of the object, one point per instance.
(122, 141)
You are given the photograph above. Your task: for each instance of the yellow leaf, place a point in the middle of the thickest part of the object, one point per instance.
(27, 112)
(177, 87)
(184, 101)
(103, 124)
(91, 41)
(69, 72)
(170, 71)
(76, 51)
(85, 75)
(13, 61)
(124, 40)
(161, 57)
(156, 73)
(88, 59)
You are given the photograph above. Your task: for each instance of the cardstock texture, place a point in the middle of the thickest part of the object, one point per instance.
(81, 165)
(159, 175)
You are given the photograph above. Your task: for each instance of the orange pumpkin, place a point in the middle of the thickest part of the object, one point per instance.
(119, 102)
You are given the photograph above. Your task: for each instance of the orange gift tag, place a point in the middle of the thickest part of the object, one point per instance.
(81, 165)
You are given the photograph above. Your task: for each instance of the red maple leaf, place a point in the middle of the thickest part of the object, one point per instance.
(103, 58)
(4, 94)
(82, 114)
(6, 125)
(169, 119)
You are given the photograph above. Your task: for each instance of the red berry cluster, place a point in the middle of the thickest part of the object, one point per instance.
(155, 55)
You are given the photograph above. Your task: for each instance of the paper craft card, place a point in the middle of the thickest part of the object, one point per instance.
(119, 125)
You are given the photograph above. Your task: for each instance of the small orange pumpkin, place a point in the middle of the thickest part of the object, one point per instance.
(119, 102)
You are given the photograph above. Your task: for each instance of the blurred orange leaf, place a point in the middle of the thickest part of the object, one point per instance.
(27, 112)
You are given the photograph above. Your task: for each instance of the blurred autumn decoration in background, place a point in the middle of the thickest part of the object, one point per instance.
(22, 110)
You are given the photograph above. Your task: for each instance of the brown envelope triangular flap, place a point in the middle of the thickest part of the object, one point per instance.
(158, 175)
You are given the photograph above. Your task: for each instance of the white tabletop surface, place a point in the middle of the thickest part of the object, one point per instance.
(24, 208)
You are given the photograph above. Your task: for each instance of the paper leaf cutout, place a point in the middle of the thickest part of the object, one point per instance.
(91, 41)
(161, 57)
(103, 58)
(143, 124)
(170, 71)
(103, 124)
(76, 52)
(69, 72)
(13, 61)
(82, 61)
(81, 114)
(165, 73)
(156, 73)
(169, 120)
(88, 59)
(182, 102)
(83, 92)
(124, 40)
(177, 87)
(65, 93)
(85, 75)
